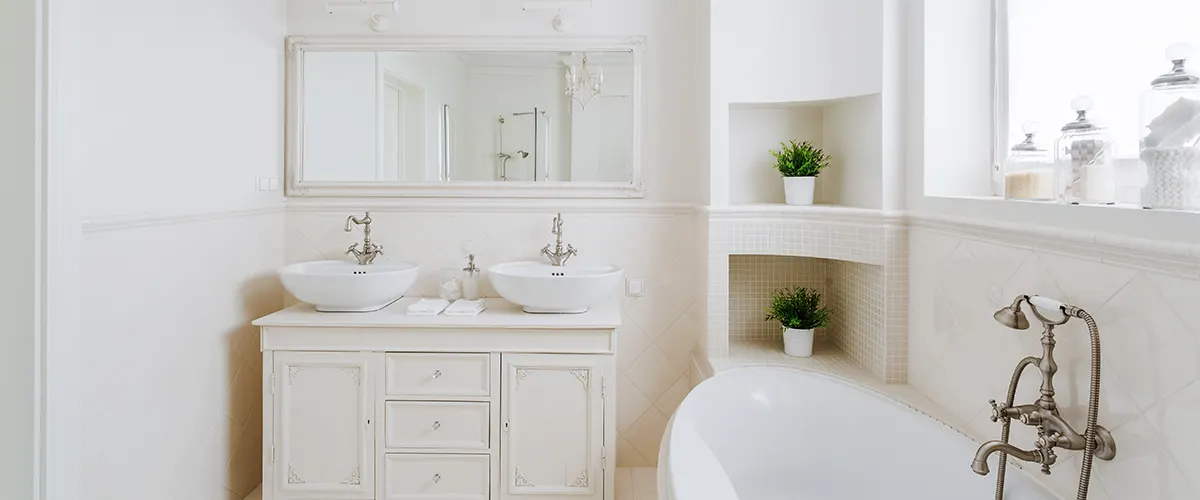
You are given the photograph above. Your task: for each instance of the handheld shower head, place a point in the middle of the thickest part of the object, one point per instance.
(1012, 316)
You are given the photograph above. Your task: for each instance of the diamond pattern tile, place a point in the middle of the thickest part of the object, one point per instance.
(1150, 372)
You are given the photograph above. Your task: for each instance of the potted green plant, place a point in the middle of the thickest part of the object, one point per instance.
(800, 164)
(800, 312)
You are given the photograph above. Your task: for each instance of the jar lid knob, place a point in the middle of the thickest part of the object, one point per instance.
(1179, 52)
(1082, 104)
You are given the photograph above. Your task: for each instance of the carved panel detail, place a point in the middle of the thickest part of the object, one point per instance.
(294, 477)
(521, 374)
(582, 375)
(354, 478)
(521, 480)
(581, 481)
(353, 372)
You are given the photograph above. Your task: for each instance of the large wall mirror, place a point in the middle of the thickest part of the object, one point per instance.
(498, 117)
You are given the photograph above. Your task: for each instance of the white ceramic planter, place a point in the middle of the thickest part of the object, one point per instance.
(798, 343)
(799, 190)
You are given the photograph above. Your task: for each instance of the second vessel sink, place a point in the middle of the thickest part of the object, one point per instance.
(542, 288)
(340, 286)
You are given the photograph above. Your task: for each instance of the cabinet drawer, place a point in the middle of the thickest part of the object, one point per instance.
(429, 425)
(436, 477)
(423, 375)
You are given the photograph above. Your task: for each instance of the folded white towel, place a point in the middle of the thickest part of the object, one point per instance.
(427, 307)
(464, 307)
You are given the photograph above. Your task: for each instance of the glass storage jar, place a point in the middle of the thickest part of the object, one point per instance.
(1170, 146)
(1083, 159)
(1029, 170)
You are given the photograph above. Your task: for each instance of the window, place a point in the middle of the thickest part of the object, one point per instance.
(1050, 51)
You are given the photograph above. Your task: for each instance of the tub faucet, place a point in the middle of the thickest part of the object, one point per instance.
(558, 257)
(1052, 430)
(370, 250)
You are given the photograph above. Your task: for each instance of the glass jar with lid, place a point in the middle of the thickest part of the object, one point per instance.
(1084, 159)
(1029, 170)
(1170, 146)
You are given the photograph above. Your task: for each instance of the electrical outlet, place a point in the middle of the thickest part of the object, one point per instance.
(635, 287)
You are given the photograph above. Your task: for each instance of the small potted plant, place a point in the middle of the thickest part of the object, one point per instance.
(800, 312)
(800, 164)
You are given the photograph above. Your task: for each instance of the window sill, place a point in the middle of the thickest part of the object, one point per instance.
(1120, 220)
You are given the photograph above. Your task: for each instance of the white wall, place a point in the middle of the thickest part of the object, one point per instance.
(339, 116)
(795, 50)
(753, 132)
(602, 133)
(169, 114)
(495, 91)
(852, 132)
(786, 51)
(20, 135)
(441, 77)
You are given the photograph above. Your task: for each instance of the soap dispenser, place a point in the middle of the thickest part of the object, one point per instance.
(470, 279)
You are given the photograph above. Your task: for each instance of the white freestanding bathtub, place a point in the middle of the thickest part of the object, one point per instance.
(773, 433)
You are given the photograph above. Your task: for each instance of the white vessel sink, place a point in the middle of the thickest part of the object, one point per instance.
(542, 288)
(341, 286)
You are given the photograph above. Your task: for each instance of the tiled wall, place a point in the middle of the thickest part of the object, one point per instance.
(753, 279)
(856, 297)
(1150, 334)
(658, 333)
(847, 238)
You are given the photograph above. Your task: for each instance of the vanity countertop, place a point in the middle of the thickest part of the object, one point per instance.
(499, 314)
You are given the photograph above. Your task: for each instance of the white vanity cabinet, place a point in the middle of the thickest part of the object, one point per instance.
(504, 405)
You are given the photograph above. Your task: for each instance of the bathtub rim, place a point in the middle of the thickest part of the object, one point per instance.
(665, 475)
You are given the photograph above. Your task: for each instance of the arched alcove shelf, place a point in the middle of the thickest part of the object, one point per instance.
(861, 252)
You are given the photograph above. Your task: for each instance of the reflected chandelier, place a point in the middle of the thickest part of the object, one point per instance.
(584, 82)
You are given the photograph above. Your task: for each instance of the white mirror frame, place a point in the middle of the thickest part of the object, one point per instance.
(295, 185)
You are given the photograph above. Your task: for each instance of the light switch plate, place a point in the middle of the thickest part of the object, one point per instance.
(635, 287)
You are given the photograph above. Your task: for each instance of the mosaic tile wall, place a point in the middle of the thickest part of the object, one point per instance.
(856, 297)
(752, 281)
(876, 242)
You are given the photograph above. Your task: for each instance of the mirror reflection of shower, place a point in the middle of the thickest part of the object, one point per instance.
(524, 156)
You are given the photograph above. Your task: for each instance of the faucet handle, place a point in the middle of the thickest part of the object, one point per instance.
(353, 249)
(571, 249)
(999, 411)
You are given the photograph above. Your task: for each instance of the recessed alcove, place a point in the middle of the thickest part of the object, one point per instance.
(857, 258)
(848, 129)
(852, 290)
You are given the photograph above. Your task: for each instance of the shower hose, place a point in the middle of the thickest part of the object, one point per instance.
(1089, 433)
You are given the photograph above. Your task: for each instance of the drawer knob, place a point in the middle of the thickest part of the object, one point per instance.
(437, 478)
(437, 424)
(437, 374)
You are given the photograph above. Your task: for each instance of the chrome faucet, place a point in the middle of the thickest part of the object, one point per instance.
(559, 256)
(1053, 432)
(370, 250)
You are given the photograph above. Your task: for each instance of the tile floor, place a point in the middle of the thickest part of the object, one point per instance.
(637, 483)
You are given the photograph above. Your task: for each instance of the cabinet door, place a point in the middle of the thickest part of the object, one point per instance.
(552, 440)
(324, 403)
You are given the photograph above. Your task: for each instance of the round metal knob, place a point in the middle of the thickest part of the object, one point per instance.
(437, 373)
(437, 478)
(437, 424)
